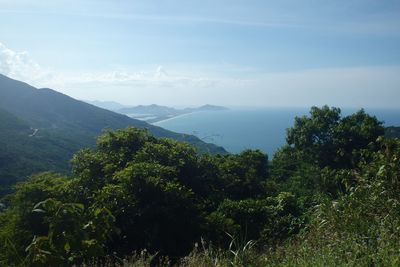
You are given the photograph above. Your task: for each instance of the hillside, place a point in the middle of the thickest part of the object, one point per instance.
(25, 150)
(110, 105)
(392, 132)
(61, 126)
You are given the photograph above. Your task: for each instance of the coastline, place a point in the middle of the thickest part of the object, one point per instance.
(161, 119)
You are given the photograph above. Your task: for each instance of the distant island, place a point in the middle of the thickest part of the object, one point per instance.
(153, 113)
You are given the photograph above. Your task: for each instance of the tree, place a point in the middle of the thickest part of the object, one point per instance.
(326, 139)
(354, 133)
(243, 175)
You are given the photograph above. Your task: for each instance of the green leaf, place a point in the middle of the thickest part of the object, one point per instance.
(67, 247)
(39, 210)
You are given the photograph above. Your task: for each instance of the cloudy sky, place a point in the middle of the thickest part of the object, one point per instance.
(229, 52)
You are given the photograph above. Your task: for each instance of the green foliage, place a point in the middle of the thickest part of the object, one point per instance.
(19, 223)
(392, 132)
(22, 154)
(271, 219)
(314, 136)
(331, 141)
(322, 150)
(361, 227)
(243, 174)
(74, 234)
(156, 194)
(329, 197)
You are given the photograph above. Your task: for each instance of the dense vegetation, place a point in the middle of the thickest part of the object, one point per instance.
(25, 151)
(392, 132)
(329, 197)
(40, 129)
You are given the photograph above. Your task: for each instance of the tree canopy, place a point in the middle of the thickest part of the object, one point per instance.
(134, 192)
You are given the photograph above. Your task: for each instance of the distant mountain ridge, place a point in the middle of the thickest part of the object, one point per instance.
(208, 107)
(110, 105)
(149, 109)
(59, 125)
(158, 109)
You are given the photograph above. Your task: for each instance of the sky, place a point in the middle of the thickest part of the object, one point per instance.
(257, 53)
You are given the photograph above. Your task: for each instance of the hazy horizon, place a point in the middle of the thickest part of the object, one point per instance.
(187, 53)
(242, 107)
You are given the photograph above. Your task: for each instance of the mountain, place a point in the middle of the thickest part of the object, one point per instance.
(25, 150)
(153, 109)
(41, 129)
(110, 105)
(207, 108)
(392, 132)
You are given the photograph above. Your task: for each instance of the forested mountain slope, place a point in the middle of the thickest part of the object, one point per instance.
(392, 132)
(25, 150)
(41, 129)
(48, 109)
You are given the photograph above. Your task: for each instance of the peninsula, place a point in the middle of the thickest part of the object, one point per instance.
(155, 113)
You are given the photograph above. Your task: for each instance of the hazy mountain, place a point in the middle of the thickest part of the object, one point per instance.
(110, 105)
(207, 108)
(155, 110)
(40, 129)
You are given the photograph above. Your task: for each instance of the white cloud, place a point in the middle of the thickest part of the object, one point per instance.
(360, 87)
(161, 73)
(19, 65)
(343, 87)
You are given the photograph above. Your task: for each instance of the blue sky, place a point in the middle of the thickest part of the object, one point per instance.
(239, 53)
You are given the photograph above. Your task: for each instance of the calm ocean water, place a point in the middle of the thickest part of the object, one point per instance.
(264, 129)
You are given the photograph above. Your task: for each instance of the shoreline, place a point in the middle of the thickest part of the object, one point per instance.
(170, 118)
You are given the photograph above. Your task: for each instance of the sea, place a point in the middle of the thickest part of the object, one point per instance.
(238, 129)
